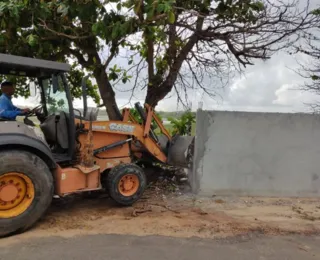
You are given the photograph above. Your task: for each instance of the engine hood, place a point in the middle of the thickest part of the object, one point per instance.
(19, 128)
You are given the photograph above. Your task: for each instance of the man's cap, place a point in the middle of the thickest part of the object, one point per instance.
(6, 84)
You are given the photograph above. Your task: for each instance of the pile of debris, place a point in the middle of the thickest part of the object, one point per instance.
(166, 179)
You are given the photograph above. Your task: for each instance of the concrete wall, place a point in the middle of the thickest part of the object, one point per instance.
(256, 154)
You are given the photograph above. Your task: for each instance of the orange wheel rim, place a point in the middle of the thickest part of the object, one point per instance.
(16, 194)
(128, 185)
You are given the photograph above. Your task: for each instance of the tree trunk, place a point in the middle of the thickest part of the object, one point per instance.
(106, 92)
(156, 94)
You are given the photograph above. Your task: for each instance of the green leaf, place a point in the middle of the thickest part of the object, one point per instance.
(171, 17)
(3, 23)
(2, 7)
(1, 39)
(115, 32)
(160, 8)
(113, 76)
(62, 9)
(166, 7)
(32, 40)
(94, 28)
(259, 5)
(150, 13)
(316, 12)
(119, 6)
(130, 62)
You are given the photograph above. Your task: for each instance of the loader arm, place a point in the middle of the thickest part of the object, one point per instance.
(127, 116)
(154, 116)
(150, 115)
(140, 138)
(132, 132)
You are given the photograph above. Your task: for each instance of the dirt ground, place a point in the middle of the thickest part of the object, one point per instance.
(161, 212)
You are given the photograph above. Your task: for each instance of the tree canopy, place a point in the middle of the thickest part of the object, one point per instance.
(179, 43)
(311, 71)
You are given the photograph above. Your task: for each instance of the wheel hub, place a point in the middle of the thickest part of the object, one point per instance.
(8, 193)
(16, 194)
(128, 185)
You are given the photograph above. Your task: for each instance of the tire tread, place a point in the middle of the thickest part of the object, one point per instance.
(37, 170)
(112, 183)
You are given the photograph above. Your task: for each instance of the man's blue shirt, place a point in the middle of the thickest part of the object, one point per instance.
(7, 109)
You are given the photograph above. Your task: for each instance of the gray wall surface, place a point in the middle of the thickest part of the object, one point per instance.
(257, 154)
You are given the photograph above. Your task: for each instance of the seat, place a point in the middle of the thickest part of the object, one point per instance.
(55, 130)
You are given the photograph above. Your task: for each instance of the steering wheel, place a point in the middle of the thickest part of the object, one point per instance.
(36, 110)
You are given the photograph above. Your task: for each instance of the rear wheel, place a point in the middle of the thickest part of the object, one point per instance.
(126, 183)
(26, 191)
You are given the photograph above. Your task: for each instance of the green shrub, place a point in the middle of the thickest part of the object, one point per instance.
(183, 125)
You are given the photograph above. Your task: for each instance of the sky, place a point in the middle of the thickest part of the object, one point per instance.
(266, 86)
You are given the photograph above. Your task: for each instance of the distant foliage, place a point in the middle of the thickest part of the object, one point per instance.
(183, 125)
(137, 117)
(175, 114)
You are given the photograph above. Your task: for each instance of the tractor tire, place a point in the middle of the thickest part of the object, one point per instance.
(26, 191)
(126, 183)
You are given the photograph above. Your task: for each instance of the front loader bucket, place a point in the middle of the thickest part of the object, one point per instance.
(179, 151)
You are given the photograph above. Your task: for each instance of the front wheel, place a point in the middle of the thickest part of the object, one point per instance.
(126, 183)
(26, 191)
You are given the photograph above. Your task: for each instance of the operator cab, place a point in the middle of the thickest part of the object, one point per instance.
(55, 113)
(56, 116)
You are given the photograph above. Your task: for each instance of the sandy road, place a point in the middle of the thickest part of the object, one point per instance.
(180, 216)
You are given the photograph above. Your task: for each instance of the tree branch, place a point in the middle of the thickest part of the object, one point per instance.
(80, 58)
(71, 37)
(150, 52)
